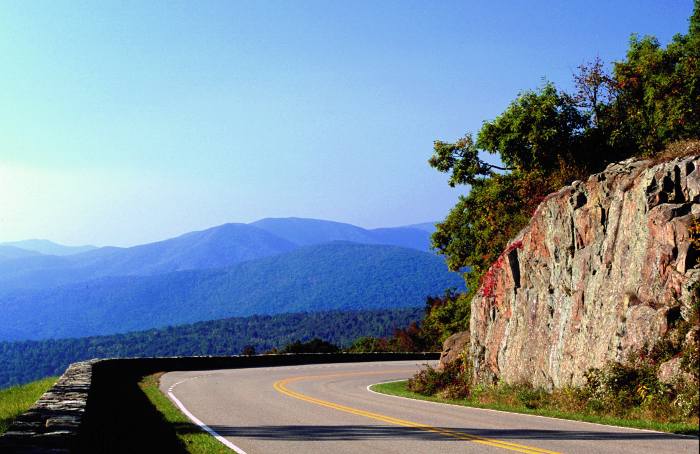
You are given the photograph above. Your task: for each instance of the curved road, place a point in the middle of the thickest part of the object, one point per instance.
(327, 409)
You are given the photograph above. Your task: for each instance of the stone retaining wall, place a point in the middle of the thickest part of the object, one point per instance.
(51, 424)
(54, 423)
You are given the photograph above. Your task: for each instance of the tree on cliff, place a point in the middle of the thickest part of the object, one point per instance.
(540, 139)
(546, 139)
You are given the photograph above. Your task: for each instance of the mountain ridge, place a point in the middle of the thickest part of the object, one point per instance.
(211, 248)
(336, 275)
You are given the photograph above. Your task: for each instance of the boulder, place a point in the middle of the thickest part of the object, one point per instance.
(453, 346)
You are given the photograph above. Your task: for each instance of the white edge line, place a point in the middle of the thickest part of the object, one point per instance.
(204, 426)
(524, 414)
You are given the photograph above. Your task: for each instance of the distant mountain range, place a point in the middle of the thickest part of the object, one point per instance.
(270, 266)
(212, 248)
(46, 247)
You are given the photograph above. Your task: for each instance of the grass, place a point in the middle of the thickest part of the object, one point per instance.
(194, 439)
(505, 400)
(16, 400)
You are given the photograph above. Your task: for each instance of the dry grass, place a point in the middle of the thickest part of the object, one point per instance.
(678, 149)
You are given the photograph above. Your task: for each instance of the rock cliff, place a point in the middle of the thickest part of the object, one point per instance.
(602, 267)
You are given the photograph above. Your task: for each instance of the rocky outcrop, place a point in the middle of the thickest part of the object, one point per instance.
(453, 346)
(603, 267)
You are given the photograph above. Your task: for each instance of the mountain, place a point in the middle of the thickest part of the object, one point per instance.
(212, 248)
(48, 248)
(304, 232)
(337, 275)
(8, 252)
(425, 226)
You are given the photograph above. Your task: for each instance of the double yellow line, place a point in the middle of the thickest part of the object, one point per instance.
(280, 386)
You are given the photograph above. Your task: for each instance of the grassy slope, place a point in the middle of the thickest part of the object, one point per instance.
(16, 400)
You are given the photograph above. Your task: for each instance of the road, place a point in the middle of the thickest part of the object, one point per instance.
(328, 409)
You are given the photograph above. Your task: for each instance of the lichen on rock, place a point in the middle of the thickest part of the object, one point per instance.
(601, 270)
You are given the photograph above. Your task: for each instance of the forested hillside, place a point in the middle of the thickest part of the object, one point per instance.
(22, 362)
(337, 275)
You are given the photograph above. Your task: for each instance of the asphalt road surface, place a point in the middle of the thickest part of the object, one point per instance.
(328, 409)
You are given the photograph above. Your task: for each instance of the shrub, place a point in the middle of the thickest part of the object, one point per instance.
(453, 382)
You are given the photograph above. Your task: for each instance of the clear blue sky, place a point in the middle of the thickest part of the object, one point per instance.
(129, 122)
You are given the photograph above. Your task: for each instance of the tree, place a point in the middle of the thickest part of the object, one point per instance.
(315, 345)
(595, 90)
(539, 138)
(536, 130)
(659, 89)
(445, 315)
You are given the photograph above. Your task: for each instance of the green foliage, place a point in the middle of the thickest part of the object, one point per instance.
(374, 345)
(530, 396)
(315, 345)
(22, 362)
(535, 131)
(617, 387)
(454, 382)
(659, 89)
(444, 316)
(404, 340)
(462, 159)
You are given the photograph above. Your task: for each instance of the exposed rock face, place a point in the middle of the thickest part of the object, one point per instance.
(452, 348)
(599, 270)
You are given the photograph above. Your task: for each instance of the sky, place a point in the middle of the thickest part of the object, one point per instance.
(129, 122)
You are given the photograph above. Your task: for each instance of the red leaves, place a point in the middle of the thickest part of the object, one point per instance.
(489, 281)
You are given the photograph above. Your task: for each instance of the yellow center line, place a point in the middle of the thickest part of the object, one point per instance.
(280, 386)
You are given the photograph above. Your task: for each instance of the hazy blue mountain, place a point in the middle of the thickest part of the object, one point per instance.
(403, 236)
(8, 252)
(49, 248)
(22, 269)
(212, 248)
(338, 275)
(427, 226)
(304, 232)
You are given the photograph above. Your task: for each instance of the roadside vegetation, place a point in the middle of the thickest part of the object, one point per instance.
(568, 403)
(16, 400)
